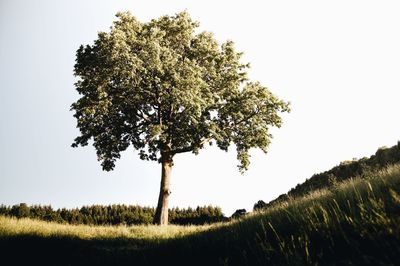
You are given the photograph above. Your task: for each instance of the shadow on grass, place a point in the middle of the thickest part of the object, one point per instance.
(208, 248)
(35, 250)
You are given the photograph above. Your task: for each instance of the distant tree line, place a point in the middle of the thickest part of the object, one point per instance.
(345, 170)
(113, 214)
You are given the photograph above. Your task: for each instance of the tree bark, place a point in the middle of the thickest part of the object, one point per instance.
(161, 215)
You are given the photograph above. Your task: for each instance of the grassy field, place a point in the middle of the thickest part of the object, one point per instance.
(355, 223)
(12, 226)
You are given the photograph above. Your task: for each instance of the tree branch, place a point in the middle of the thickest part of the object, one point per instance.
(191, 147)
(144, 116)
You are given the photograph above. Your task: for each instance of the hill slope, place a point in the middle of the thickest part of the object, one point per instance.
(356, 223)
(363, 167)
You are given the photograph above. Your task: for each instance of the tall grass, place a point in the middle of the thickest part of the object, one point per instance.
(355, 223)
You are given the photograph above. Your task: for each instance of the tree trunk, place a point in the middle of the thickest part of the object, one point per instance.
(161, 215)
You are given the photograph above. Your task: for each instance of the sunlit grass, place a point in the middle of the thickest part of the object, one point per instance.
(12, 227)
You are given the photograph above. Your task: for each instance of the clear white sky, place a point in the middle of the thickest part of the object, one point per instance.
(337, 62)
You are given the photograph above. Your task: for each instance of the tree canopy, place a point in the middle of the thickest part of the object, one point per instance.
(162, 85)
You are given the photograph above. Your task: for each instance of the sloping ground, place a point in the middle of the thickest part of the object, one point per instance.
(355, 223)
(362, 167)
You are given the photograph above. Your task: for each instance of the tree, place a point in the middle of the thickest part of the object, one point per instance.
(165, 89)
(260, 205)
(239, 213)
(21, 210)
